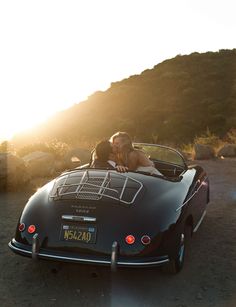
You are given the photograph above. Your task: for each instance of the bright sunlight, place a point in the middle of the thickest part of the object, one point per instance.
(56, 53)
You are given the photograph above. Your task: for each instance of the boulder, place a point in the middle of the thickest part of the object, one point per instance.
(40, 164)
(228, 150)
(203, 152)
(13, 172)
(76, 157)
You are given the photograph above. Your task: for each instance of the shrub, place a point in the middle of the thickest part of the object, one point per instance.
(187, 148)
(208, 139)
(57, 148)
(231, 136)
(6, 147)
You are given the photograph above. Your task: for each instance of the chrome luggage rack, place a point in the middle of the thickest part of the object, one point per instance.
(96, 184)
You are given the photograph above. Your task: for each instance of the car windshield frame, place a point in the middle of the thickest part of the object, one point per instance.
(162, 153)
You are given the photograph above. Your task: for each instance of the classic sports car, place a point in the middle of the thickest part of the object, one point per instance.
(101, 216)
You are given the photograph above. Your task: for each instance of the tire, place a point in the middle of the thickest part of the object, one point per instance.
(175, 265)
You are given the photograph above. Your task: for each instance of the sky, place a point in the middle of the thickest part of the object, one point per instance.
(56, 53)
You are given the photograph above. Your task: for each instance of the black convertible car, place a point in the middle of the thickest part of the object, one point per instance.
(100, 216)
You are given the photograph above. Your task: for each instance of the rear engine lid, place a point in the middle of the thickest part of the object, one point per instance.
(96, 185)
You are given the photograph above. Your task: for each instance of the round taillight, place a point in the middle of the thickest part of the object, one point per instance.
(21, 227)
(31, 229)
(146, 240)
(129, 239)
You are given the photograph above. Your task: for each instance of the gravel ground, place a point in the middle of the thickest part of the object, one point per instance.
(208, 278)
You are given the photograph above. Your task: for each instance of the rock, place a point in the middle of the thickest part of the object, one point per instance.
(203, 152)
(40, 164)
(228, 150)
(76, 157)
(13, 172)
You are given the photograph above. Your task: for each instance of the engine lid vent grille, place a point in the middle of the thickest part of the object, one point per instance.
(94, 185)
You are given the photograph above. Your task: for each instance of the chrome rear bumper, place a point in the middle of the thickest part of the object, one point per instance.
(45, 255)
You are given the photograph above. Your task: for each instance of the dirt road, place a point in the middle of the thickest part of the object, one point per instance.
(208, 278)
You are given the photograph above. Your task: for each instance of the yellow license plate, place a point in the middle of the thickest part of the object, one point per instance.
(75, 233)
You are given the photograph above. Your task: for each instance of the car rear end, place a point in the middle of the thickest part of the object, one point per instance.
(98, 217)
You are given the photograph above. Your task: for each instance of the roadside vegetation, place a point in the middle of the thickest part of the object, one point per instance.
(59, 149)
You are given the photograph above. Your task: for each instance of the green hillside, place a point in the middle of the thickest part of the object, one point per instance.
(174, 101)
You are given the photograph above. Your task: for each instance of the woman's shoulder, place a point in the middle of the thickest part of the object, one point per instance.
(139, 153)
(143, 160)
(135, 154)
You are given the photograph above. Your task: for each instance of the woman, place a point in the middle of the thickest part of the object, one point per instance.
(128, 156)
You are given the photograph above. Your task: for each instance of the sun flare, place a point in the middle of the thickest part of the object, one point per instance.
(19, 122)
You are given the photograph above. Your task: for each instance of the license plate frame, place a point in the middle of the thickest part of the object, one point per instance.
(78, 233)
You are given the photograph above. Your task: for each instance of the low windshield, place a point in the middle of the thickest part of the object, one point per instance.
(161, 153)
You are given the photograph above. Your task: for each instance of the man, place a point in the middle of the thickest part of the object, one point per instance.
(105, 158)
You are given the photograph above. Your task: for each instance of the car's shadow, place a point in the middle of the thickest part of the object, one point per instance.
(64, 283)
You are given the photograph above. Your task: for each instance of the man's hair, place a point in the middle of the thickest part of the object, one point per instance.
(103, 150)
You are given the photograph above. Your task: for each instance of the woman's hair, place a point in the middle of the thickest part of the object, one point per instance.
(126, 140)
(126, 146)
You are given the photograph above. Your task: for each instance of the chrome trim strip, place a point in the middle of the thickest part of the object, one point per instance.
(199, 222)
(19, 249)
(88, 260)
(143, 263)
(78, 218)
(192, 195)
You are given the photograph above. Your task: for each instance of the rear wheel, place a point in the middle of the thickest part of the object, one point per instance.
(175, 265)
